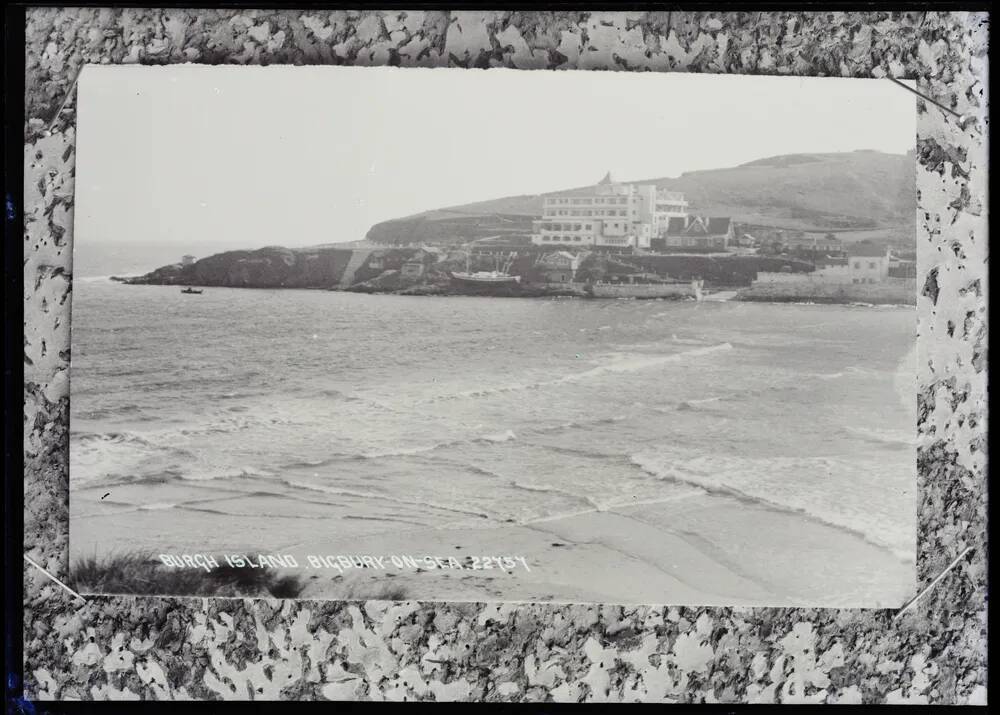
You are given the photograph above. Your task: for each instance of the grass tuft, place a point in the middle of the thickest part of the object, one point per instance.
(373, 592)
(142, 574)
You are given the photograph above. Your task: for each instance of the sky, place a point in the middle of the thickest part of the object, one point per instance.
(244, 157)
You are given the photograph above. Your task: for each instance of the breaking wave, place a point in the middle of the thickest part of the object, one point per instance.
(633, 363)
(713, 479)
(374, 496)
(889, 437)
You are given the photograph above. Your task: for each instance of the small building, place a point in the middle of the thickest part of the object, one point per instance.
(699, 232)
(559, 267)
(814, 244)
(188, 260)
(413, 269)
(867, 262)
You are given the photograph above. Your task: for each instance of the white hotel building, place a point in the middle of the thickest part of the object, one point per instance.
(608, 215)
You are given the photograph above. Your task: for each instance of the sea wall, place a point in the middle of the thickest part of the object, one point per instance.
(893, 291)
(638, 290)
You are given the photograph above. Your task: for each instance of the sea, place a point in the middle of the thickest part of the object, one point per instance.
(448, 412)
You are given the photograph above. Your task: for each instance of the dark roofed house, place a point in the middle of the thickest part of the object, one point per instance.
(718, 226)
(699, 232)
(677, 224)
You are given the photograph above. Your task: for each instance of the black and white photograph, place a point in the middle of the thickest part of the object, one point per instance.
(494, 335)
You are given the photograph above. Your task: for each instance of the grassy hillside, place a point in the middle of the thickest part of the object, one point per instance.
(860, 190)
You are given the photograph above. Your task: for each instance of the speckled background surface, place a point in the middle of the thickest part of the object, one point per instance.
(162, 648)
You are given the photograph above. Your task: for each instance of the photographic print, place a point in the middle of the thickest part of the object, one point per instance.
(494, 335)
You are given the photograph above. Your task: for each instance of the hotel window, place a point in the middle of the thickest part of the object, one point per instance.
(871, 264)
(577, 227)
(577, 238)
(857, 264)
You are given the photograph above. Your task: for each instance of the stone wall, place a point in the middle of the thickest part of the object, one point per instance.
(640, 290)
(819, 290)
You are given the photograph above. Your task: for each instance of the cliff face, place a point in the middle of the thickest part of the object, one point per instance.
(272, 267)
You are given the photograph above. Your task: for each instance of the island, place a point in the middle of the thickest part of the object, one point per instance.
(824, 228)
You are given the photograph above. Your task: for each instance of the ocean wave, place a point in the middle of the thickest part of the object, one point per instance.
(549, 489)
(881, 436)
(581, 452)
(109, 438)
(694, 404)
(581, 424)
(867, 371)
(494, 438)
(497, 438)
(738, 479)
(373, 496)
(210, 475)
(117, 456)
(629, 364)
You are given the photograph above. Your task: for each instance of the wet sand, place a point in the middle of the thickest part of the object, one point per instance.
(702, 549)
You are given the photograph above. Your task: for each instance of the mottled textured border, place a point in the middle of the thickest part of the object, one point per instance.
(163, 648)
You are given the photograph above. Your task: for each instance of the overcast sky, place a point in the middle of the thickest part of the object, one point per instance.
(253, 156)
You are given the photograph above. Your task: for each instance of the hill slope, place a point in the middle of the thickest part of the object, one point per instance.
(820, 192)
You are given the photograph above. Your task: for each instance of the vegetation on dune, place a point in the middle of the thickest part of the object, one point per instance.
(144, 574)
(380, 591)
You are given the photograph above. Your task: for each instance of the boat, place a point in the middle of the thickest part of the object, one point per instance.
(498, 276)
(192, 291)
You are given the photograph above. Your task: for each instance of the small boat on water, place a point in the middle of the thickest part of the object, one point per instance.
(192, 291)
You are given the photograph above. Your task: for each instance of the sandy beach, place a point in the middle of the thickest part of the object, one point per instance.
(703, 549)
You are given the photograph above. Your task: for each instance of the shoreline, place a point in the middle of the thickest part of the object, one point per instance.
(698, 548)
(738, 294)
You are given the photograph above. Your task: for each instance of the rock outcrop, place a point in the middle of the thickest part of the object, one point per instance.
(271, 267)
